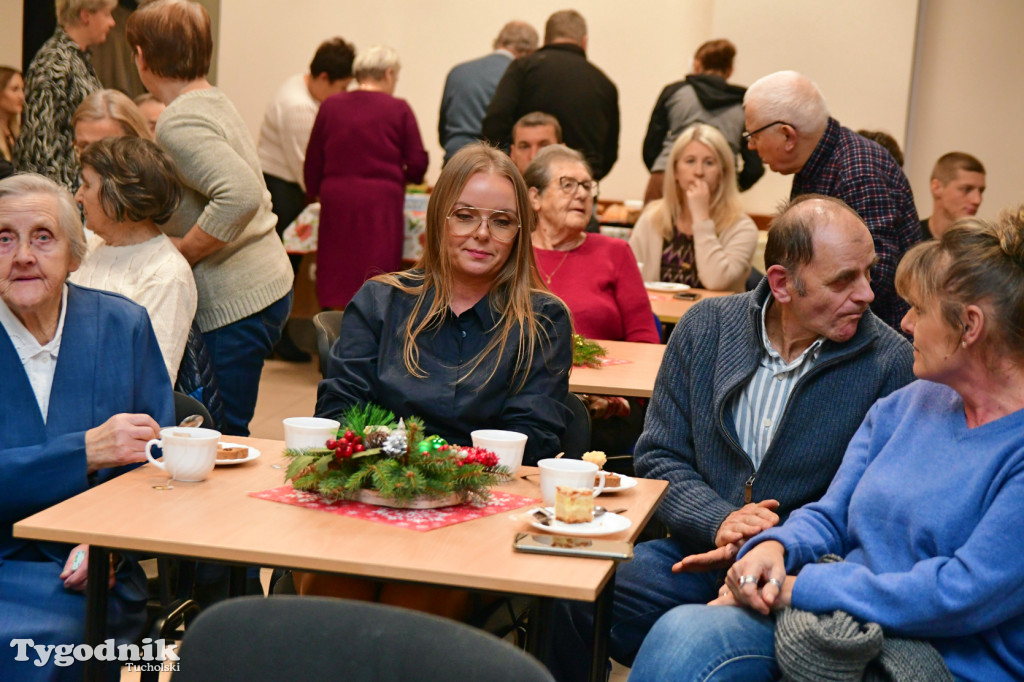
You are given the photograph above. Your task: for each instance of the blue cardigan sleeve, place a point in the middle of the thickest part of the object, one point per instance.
(60, 460)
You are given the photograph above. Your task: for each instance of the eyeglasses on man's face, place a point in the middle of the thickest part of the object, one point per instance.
(747, 136)
(465, 220)
(570, 185)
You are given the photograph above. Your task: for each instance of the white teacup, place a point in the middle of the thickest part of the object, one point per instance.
(189, 452)
(574, 473)
(507, 445)
(309, 432)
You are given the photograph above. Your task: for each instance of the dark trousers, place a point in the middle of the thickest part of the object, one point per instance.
(288, 200)
(237, 352)
(645, 589)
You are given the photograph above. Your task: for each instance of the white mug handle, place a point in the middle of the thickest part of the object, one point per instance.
(600, 488)
(149, 455)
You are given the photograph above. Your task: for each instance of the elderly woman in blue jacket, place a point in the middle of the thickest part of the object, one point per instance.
(923, 508)
(84, 388)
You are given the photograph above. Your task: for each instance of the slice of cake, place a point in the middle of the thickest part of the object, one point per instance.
(232, 451)
(574, 505)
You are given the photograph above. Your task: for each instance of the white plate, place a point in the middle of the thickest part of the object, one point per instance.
(666, 287)
(253, 454)
(625, 483)
(605, 524)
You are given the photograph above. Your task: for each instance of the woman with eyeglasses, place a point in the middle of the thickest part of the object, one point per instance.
(596, 276)
(469, 338)
(364, 148)
(697, 234)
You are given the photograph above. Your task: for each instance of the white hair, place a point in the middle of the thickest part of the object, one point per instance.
(68, 11)
(791, 97)
(69, 221)
(374, 63)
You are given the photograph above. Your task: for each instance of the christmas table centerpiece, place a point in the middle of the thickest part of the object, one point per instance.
(375, 460)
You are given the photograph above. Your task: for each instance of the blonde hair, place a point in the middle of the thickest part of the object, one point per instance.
(513, 289)
(116, 106)
(725, 200)
(975, 262)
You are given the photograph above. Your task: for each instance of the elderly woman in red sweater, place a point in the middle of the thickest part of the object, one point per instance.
(596, 276)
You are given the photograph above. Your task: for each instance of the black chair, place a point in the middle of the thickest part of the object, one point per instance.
(186, 405)
(328, 327)
(252, 639)
(754, 278)
(576, 440)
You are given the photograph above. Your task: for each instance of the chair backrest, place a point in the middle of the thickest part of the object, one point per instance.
(328, 327)
(186, 406)
(576, 440)
(317, 638)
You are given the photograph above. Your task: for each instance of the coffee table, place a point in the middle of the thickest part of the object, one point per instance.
(216, 520)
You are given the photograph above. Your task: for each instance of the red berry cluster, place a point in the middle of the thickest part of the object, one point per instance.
(346, 446)
(478, 456)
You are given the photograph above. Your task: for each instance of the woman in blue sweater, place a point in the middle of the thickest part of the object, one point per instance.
(924, 508)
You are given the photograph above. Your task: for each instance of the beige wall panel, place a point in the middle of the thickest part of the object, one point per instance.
(968, 96)
(859, 53)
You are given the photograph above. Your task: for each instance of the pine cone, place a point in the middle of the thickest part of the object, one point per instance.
(374, 436)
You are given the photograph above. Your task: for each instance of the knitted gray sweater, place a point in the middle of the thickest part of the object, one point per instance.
(228, 199)
(689, 438)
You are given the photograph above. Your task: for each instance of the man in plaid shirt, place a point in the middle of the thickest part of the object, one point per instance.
(789, 126)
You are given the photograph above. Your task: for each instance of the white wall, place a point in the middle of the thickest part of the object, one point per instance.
(861, 62)
(968, 96)
(641, 46)
(639, 54)
(965, 70)
(11, 14)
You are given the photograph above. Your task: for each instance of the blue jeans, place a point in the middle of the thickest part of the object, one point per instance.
(708, 643)
(237, 351)
(645, 589)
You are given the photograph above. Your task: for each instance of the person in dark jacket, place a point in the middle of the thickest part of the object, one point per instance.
(701, 97)
(558, 80)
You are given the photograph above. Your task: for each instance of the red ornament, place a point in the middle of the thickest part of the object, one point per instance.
(358, 447)
(349, 435)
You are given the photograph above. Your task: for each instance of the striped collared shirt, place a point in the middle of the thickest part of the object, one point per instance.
(758, 408)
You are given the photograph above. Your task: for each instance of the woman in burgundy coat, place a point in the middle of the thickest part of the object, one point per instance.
(365, 147)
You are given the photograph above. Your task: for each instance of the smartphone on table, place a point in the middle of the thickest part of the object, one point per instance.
(687, 296)
(618, 550)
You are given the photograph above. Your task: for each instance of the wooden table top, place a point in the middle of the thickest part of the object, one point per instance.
(216, 519)
(635, 378)
(669, 309)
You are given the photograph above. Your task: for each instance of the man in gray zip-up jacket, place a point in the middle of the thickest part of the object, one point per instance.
(757, 398)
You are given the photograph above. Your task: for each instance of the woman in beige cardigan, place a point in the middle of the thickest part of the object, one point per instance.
(697, 234)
